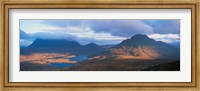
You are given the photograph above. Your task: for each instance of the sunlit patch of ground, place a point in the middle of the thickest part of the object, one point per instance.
(41, 61)
(44, 58)
(121, 57)
(126, 57)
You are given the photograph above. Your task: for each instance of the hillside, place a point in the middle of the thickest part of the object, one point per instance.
(141, 47)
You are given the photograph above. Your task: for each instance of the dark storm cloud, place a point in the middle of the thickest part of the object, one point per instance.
(123, 28)
(164, 26)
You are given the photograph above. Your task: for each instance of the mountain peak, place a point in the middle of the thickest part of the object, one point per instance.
(91, 49)
(140, 36)
(143, 47)
(92, 44)
(137, 40)
(24, 35)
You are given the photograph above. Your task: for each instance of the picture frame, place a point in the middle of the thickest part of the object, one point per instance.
(157, 86)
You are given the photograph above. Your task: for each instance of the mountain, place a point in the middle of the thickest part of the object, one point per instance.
(50, 46)
(90, 49)
(177, 44)
(24, 35)
(61, 46)
(137, 47)
(141, 47)
(54, 43)
(107, 46)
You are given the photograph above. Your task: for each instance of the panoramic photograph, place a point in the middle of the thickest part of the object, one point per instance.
(99, 45)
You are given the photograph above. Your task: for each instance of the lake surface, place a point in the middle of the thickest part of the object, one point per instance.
(79, 58)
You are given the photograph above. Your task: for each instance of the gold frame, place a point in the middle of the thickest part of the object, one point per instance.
(193, 5)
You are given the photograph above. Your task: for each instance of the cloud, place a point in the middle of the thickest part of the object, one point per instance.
(101, 31)
(100, 39)
(25, 42)
(123, 28)
(164, 26)
(80, 34)
(65, 22)
(34, 26)
(87, 32)
(168, 38)
(41, 30)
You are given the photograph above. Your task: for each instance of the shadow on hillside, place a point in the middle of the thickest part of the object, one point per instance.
(109, 65)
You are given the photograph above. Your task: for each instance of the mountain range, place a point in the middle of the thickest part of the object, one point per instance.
(60, 46)
(137, 47)
(141, 47)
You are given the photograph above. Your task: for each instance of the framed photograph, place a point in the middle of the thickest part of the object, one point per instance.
(100, 45)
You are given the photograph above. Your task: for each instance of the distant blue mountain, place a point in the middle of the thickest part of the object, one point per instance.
(108, 46)
(90, 49)
(23, 35)
(54, 43)
(177, 44)
(60, 46)
(50, 46)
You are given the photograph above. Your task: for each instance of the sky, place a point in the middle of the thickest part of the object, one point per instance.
(101, 32)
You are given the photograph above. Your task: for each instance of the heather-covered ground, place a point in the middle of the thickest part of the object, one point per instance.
(125, 65)
(108, 65)
(45, 58)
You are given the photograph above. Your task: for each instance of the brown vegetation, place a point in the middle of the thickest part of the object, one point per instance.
(111, 64)
(43, 58)
(141, 52)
